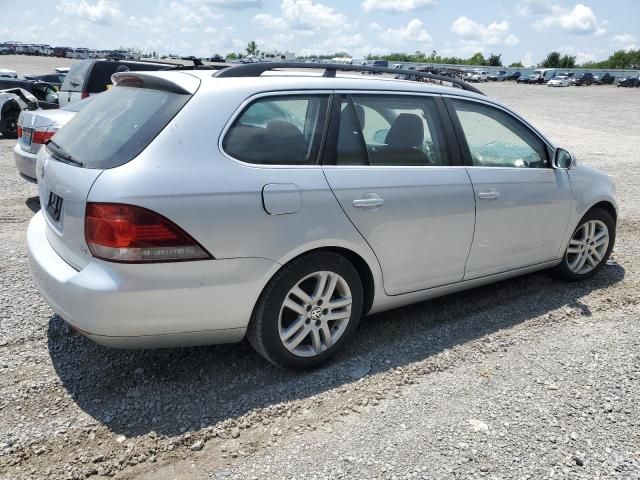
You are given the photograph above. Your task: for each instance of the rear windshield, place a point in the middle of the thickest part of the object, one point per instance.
(74, 81)
(116, 126)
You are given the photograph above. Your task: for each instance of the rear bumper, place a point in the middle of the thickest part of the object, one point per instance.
(149, 306)
(26, 163)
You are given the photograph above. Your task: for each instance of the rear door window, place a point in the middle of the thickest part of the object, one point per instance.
(117, 126)
(280, 130)
(391, 130)
(74, 81)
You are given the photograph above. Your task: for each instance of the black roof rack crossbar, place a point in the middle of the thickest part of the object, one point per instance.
(257, 69)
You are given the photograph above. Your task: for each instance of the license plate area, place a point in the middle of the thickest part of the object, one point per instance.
(54, 206)
(25, 139)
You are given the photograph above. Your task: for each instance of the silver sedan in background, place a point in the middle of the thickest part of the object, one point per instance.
(35, 129)
(183, 208)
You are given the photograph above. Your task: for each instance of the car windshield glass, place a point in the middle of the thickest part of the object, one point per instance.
(116, 126)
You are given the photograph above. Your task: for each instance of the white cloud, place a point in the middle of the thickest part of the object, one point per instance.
(625, 40)
(268, 21)
(527, 8)
(231, 4)
(412, 32)
(103, 12)
(478, 37)
(303, 14)
(396, 6)
(578, 21)
(304, 17)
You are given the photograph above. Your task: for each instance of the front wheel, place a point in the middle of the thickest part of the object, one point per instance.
(589, 248)
(308, 311)
(9, 124)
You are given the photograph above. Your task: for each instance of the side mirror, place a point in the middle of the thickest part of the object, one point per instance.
(381, 135)
(563, 159)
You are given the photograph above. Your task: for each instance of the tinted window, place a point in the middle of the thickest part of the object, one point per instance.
(285, 130)
(100, 77)
(116, 126)
(497, 139)
(74, 81)
(391, 130)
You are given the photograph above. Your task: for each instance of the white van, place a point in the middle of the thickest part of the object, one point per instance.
(542, 75)
(78, 53)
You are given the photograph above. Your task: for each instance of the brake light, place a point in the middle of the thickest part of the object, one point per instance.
(128, 233)
(19, 131)
(84, 94)
(42, 136)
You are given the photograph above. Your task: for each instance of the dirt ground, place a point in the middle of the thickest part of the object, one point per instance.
(528, 378)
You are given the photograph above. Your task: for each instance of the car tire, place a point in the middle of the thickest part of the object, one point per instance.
(9, 124)
(585, 255)
(301, 333)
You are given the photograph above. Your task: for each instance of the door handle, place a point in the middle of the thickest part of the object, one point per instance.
(370, 200)
(490, 195)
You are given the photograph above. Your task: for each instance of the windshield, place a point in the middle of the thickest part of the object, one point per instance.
(116, 126)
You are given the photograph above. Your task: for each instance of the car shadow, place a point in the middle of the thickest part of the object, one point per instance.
(176, 390)
(33, 203)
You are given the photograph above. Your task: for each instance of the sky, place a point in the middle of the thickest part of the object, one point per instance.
(521, 30)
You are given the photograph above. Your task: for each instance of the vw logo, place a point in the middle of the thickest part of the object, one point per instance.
(316, 313)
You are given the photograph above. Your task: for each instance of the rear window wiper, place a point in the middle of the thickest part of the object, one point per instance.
(61, 153)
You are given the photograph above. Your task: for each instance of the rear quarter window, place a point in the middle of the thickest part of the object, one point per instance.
(118, 125)
(75, 79)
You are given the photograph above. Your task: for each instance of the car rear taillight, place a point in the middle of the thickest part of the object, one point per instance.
(84, 94)
(42, 136)
(19, 131)
(128, 233)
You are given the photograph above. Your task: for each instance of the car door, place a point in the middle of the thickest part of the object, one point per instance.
(522, 203)
(396, 171)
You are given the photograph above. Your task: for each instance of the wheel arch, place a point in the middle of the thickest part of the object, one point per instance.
(363, 268)
(607, 207)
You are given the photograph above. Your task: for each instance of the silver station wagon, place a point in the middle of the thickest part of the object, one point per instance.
(200, 207)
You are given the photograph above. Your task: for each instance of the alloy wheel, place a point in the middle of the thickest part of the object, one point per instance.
(587, 247)
(315, 314)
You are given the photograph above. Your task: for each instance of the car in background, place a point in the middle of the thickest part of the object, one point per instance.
(287, 232)
(513, 76)
(498, 76)
(604, 79)
(90, 77)
(584, 78)
(478, 76)
(53, 79)
(5, 73)
(559, 81)
(629, 81)
(44, 92)
(78, 53)
(35, 128)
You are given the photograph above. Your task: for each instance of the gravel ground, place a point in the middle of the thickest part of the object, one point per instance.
(528, 378)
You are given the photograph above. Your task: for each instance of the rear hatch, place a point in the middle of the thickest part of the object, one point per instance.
(111, 131)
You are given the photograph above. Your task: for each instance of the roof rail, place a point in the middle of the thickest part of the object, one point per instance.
(330, 69)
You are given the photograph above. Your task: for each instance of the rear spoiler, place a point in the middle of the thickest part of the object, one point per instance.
(187, 85)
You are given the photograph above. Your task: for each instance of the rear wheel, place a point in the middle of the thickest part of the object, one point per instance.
(9, 124)
(308, 311)
(589, 248)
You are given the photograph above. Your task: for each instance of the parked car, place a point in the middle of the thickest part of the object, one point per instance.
(497, 76)
(170, 218)
(43, 91)
(560, 81)
(539, 76)
(478, 76)
(514, 76)
(629, 81)
(603, 79)
(585, 78)
(35, 128)
(90, 77)
(5, 73)
(78, 53)
(53, 79)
